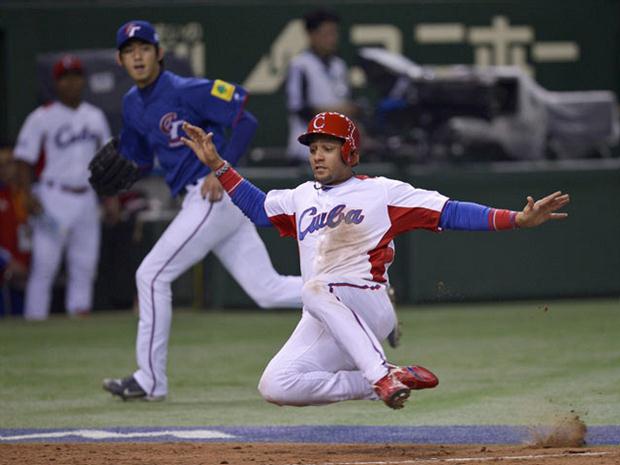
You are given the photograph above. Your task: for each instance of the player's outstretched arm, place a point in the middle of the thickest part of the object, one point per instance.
(540, 211)
(468, 216)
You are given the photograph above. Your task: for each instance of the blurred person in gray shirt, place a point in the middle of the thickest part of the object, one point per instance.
(317, 79)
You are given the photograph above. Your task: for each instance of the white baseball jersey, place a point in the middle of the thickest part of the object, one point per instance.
(347, 230)
(312, 83)
(69, 138)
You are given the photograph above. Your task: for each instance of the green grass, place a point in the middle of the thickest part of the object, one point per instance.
(498, 364)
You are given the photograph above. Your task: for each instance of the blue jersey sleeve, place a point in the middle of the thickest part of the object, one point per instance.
(217, 101)
(222, 103)
(468, 216)
(240, 138)
(251, 201)
(464, 216)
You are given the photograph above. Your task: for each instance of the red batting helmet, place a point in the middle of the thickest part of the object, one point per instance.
(337, 125)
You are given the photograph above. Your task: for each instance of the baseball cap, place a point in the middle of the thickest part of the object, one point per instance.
(136, 29)
(67, 64)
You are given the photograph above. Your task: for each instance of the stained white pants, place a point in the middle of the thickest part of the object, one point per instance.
(69, 223)
(335, 353)
(200, 227)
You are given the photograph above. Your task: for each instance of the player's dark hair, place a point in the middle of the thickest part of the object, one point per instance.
(314, 19)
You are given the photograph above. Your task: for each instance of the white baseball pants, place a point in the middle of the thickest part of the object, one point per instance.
(335, 353)
(69, 222)
(200, 227)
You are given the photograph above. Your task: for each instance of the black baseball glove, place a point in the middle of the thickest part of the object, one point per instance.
(110, 172)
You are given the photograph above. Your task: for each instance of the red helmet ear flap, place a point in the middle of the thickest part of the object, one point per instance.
(345, 151)
(351, 143)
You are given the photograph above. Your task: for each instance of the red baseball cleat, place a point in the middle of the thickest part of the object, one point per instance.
(415, 377)
(391, 391)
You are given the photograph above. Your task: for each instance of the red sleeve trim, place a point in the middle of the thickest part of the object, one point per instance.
(405, 219)
(502, 219)
(230, 179)
(285, 224)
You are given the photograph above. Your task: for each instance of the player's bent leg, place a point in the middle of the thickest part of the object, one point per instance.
(245, 256)
(357, 315)
(296, 388)
(312, 369)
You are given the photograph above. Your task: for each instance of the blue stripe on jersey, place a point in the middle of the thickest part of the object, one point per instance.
(464, 216)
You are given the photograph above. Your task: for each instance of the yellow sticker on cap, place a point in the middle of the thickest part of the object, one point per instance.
(223, 90)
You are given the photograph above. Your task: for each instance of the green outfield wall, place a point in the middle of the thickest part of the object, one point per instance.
(566, 45)
(579, 256)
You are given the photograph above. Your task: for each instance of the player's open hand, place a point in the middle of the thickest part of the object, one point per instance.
(543, 210)
(202, 145)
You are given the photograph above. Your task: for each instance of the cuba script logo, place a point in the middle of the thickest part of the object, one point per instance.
(170, 125)
(311, 221)
(66, 135)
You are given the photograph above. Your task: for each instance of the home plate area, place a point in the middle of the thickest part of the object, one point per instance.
(308, 445)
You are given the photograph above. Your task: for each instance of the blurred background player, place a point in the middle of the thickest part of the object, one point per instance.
(153, 111)
(317, 79)
(67, 132)
(14, 237)
(344, 226)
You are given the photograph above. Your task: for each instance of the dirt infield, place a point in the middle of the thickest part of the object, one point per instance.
(298, 454)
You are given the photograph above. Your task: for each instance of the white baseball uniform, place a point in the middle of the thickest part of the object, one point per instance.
(69, 138)
(345, 236)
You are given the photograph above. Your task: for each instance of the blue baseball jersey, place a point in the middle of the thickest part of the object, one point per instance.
(152, 119)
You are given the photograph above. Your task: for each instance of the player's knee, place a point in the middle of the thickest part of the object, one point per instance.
(147, 275)
(143, 276)
(146, 279)
(271, 390)
(42, 273)
(274, 387)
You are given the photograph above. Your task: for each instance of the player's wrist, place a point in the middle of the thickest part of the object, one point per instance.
(220, 167)
(520, 220)
(228, 177)
(503, 219)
